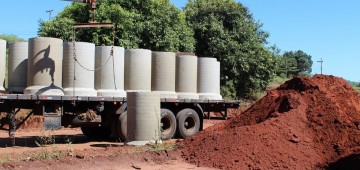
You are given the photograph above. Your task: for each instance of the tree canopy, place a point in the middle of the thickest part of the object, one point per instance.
(295, 63)
(153, 24)
(226, 30)
(11, 38)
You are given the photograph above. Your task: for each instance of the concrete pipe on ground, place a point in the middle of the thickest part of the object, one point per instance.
(186, 77)
(208, 86)
(2, 63)
(17, 67)
(44, 76)
(163, 74)
(82, 69)
(137, 70)
(109, 80)
(143, 118)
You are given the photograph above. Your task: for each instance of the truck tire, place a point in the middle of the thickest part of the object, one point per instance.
(96, 132)
(188, 123)
(121, 126)
(168, 124)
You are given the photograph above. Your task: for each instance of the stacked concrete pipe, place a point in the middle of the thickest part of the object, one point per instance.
(208, 85)
(143, 117)
(44, 76)
(163, 74)
(17, 67)
(82, 69)
(186, 77)
(137, 70)
(109, 80)
(2, 63)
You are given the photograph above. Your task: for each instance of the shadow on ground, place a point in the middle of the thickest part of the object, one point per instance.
(31, 141)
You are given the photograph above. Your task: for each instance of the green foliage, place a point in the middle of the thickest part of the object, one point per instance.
(296, 63)
(161, 147)
(153, 24)
(11, 38)
(226, 30)
(45, 139)
(355, 85)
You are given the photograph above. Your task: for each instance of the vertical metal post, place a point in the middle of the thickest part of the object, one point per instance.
(49, 11)
(226, 114)
(321, 65)
(12, 126)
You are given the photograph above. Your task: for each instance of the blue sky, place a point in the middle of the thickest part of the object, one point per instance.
(321, 28)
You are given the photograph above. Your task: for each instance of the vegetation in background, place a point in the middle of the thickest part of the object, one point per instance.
(225, 29)
(155, 24)
(294, 63)
(355, 85)
(11, 38)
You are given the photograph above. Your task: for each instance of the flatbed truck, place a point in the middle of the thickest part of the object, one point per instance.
(102, 117)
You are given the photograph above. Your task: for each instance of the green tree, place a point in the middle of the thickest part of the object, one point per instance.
(11, 38)
(152, 24)
(296, 63)
(226, 30)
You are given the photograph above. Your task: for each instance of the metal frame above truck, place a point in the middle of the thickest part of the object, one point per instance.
(101, 117)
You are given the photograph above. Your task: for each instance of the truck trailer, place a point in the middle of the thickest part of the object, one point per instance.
(102, 117)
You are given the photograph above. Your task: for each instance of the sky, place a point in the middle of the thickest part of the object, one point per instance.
(321, 28)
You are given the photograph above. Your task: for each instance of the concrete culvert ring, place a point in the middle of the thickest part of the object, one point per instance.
(168, 124)
(188, 123)
(121, 127)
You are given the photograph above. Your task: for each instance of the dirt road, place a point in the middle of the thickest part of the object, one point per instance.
(72, 150)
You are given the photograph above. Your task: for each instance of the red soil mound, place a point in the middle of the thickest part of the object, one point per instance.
(306, 123)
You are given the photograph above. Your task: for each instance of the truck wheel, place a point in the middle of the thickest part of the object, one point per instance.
(121, 126)
(188, 122)
(96, 133)
(168, 124)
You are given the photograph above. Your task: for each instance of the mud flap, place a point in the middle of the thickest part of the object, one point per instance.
(52, 116)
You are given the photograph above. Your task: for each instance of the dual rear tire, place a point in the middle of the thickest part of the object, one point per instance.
(186, 123)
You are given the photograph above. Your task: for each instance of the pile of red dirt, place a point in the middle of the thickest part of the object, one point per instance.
(306, 123)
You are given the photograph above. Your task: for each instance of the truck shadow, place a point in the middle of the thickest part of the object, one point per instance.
(37, 141)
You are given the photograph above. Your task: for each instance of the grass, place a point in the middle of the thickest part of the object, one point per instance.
(6, 159)
(276, 82)
(161, 147)
(355, 86)
(45, 139)
(46, 154)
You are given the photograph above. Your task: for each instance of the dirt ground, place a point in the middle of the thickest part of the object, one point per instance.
(306, 123)
(72, 150)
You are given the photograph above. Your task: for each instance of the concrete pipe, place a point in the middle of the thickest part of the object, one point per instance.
(137, 70)
(109, 80)
(17, 67)
(2, 63)
(208, 85)
(44, 76)
(143, 118)
(83, 85)
(163, 74)
(186, 77)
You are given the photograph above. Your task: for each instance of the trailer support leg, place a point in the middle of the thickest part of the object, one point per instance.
(226, 114)
(12, 126)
